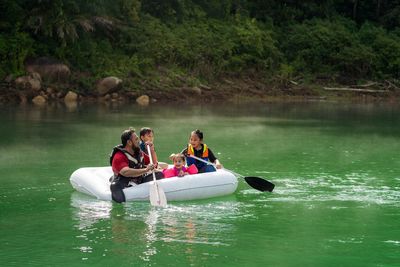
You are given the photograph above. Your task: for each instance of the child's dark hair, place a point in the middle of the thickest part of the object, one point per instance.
(144, 131)
(198, 133)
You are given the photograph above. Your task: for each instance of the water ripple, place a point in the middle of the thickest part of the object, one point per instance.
(205, 223)
(394, 242)
(357, 187)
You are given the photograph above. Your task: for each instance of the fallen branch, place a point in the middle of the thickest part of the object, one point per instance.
(368, 84)
(202, 86)
(392, 85)
(354, 90)
(228, 81)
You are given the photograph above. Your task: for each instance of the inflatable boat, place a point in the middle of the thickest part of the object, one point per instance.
(94, 181)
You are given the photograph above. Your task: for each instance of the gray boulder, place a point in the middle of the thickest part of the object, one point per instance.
(49, 69)
(108, 85)
(28, 83)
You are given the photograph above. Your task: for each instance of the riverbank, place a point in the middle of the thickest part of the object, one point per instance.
(226, 89)
(166, 86)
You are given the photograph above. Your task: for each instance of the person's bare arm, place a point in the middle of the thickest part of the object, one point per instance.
(218, 164)
(153, 152)
(129, 172)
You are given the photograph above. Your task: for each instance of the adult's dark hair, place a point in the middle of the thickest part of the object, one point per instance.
(126, 135)
(198, 133)
(145, 130)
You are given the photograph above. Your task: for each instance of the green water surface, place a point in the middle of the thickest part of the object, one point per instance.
(336, 202)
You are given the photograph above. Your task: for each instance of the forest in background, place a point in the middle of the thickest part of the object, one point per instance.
(277, 41)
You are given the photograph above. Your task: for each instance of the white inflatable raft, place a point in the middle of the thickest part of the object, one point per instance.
(94, 181)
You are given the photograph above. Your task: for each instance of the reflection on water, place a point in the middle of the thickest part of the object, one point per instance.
(140, 230)
(89, 210)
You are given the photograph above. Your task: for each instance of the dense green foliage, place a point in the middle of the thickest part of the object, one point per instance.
(205, 38)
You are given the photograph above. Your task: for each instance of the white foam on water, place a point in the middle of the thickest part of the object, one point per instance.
(394, 242)
(349, 240)
(354, 187)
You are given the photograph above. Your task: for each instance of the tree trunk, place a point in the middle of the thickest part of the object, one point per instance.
(378, 8)
(355, 9)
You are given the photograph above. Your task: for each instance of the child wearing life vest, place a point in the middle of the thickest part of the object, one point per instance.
(179, 168)
(197, 148)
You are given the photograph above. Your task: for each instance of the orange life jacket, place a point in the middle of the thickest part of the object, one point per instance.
(205, 151)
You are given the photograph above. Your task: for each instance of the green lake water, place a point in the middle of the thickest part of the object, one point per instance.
(336, 167)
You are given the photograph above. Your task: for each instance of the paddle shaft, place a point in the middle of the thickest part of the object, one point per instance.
(160, 199)
(255, 182)
(151, 162)
(212, 164)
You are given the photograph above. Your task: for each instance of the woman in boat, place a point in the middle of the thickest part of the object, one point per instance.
(197, 148)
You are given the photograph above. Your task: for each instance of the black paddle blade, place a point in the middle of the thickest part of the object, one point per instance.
(259, 183)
